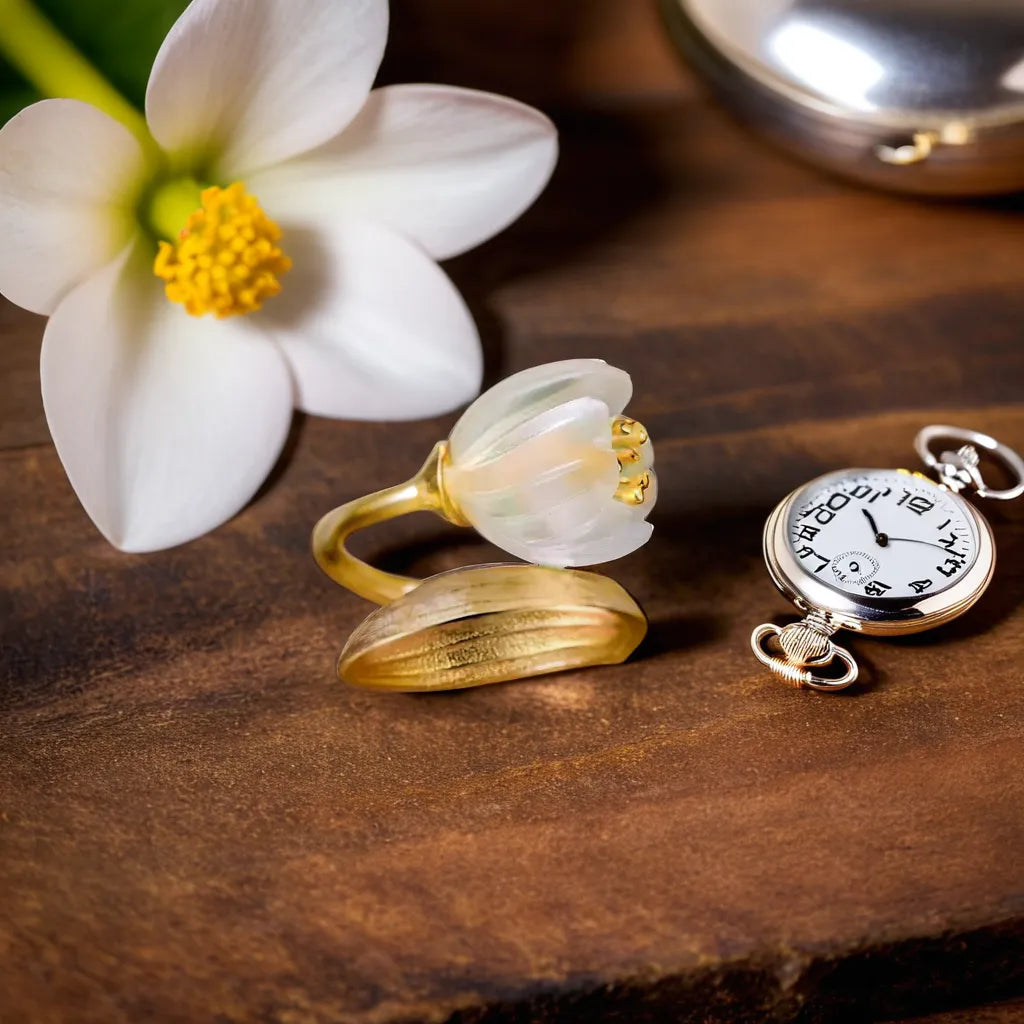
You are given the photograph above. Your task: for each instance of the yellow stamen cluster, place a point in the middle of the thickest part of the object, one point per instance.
(628, 439)
(226, 260)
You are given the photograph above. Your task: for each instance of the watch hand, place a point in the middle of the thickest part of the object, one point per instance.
(880, 538)
(914, 540)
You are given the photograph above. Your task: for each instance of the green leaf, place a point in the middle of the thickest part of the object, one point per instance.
(120, 39)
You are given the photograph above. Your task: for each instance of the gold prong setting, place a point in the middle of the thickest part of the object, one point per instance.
(632, 490)
(630, 442)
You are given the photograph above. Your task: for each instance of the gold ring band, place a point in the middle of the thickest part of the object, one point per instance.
(480, 624)
(424, 492)
(544, 443)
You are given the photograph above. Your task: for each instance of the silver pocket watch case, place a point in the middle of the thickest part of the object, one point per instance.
(921, 96)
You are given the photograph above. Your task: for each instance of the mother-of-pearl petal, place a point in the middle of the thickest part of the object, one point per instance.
(561, 447)
(610, 534)
(539, 479)
(479, 434)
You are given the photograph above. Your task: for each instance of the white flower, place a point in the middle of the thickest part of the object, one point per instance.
(167, 423)
(545, 466)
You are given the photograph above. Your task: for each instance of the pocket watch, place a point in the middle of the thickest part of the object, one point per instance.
(879, 551)
(916, 95)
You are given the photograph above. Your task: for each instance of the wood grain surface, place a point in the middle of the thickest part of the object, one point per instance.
(1009, 1012)
(197, 823)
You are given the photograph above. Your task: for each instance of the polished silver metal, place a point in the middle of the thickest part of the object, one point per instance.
(878, 616)
(803, 647)
(917, 95)
(961, 469)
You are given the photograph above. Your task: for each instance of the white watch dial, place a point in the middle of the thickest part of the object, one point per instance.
(882, 533)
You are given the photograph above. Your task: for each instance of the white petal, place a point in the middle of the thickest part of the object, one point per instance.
(527, 394)
(606, 535)
(372, 327)
(544, 490)
(604, 546)
(69, 177)
(554, 523)
(551, 458)
(242, 84)
(448, 167)
(614, 532)
(166, 424)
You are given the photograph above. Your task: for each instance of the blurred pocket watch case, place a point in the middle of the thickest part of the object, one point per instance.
(921, 96)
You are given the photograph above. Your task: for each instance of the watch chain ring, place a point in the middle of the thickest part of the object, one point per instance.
(1003, 453)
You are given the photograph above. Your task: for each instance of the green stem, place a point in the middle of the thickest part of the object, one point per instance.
(50, 63)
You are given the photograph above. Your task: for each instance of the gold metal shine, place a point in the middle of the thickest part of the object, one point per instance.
(633, 489)
(628, 438)
(491, 624)
(423, 493)
(477, 625)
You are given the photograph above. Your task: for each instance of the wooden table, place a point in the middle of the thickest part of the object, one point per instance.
(198, 824)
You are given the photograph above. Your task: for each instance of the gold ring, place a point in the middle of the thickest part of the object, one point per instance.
(545, 466)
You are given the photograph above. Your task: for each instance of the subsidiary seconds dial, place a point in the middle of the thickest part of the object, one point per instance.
(882, 533)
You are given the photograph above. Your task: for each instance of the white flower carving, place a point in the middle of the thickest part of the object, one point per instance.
(545, 465)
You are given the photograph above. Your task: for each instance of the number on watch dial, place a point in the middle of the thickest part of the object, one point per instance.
(882, 533)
